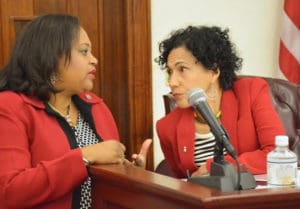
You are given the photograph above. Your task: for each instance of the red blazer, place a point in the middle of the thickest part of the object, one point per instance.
(248, 116)
(38, 169)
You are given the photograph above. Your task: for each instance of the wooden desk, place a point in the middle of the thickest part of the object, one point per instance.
(120, 187)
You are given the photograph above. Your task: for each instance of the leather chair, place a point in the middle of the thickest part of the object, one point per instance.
(286, 100)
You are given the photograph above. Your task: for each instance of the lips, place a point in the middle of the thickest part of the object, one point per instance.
(177, 95)
(92, 73)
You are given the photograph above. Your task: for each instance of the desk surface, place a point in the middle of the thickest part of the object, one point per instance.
(121, 186)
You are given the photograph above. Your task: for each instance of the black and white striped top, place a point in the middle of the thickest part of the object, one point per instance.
(204, 148)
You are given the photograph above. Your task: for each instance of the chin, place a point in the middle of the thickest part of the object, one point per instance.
(88, 87)
(182, 104)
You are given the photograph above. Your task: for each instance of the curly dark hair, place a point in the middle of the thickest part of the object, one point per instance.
(211, 47)
(36, 55)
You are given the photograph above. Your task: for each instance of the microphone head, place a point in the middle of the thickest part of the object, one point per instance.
(195, 96)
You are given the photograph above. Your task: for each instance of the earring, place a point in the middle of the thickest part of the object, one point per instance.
(211, 93)
(53, 79)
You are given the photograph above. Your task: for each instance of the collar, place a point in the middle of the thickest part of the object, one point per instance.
(87, 97)
(229, 117)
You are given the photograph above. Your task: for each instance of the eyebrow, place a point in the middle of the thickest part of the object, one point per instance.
(178, 63)
(85, 44)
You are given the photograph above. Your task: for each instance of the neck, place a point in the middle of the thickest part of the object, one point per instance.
(61, 102)
(199, 118)
(63, 105)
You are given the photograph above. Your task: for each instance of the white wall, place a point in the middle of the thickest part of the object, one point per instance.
(254, 27)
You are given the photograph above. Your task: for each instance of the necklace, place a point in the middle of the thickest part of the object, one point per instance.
(199, 119)
(66, 116)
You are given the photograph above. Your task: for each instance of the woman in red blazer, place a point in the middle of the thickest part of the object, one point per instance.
(203, 57)
(51, 126)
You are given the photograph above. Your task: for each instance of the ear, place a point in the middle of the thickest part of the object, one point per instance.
(215, 75)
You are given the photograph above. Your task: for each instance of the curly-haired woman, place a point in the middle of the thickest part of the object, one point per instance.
(204, 57)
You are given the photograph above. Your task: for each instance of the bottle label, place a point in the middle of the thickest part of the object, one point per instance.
(282, 173)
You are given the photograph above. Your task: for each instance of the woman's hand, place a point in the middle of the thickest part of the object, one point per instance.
(201, 171)
(106, 152)
(141, 158)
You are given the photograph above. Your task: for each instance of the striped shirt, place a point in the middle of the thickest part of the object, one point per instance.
(204, 147)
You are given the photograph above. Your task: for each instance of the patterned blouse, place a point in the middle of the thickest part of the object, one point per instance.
(85, 136)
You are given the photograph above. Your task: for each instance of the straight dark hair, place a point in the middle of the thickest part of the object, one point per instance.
(36, 55)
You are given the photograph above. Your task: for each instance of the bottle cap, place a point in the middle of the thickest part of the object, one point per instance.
(282, 140)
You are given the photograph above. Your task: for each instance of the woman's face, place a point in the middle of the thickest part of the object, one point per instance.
(185, 73)
(78, 75)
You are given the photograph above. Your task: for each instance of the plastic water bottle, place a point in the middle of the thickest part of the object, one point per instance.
(282, 164)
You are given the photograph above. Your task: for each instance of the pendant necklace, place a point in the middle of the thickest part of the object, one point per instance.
(66, 116)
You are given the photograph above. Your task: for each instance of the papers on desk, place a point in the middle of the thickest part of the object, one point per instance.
(262, 179)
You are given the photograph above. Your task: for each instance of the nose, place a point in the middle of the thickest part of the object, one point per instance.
(94, 60)
(173, 80)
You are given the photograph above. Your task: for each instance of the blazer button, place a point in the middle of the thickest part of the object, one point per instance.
(88, 96)
(184, 149)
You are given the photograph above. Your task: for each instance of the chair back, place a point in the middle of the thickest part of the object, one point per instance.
(286, 100)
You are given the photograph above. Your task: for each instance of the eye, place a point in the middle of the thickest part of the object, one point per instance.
(169, 71)
(183, 69)
(84, 51)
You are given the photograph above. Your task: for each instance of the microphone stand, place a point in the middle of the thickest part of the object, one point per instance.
(223, 175)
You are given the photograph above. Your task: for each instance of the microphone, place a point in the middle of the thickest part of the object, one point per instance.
(222, 174)
(197, 99)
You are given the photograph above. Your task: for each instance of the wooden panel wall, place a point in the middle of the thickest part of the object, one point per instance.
(9, 9)
(120, 33)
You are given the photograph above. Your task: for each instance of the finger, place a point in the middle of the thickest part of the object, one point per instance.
(145, 147)
(139, 162)
(120, 160)
(127, 162)
(134, 156)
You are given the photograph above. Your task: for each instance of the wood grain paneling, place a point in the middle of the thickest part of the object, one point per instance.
(50, 6)
(115, 67)
(139, 70)
(9, 9)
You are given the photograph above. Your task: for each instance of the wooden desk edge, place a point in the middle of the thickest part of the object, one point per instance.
(137, 178)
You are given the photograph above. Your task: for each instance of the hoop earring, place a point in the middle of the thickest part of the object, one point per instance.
(211, 93)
